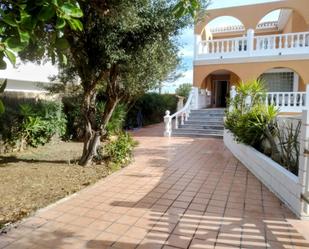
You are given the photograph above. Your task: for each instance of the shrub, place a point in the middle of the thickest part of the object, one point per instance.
(288, 135)
(184, 90)
(118, 149)
(254, 123)
(31, 123)
(150, 109)
(250, 127)
(75, 124)
(116, 123)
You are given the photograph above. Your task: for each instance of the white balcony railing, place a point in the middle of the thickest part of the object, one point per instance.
(253, 46)
(284, 101)
(240, 28)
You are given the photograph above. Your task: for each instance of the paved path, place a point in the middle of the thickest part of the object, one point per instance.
(179, 193)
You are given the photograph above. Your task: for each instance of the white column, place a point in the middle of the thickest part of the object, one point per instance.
(307, 96)
(168, 124)
(250, 40)
(195, 98)
(197, 46)
(233, 94)
(303, 171)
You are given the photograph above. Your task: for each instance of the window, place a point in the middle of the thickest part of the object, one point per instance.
(279, 81)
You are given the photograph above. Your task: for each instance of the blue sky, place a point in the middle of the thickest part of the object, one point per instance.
(41, 73)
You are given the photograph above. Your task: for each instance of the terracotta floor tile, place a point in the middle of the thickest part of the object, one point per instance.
(178, 241)
(136, 232)
(178, 193)
(106, 238)
(126, 243)
(201, 244)
(82, 221)
(117, 228)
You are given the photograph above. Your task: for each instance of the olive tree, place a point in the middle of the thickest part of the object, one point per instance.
(121, 52)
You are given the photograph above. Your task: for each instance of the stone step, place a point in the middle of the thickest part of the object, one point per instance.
(207, 115)
(198, 131)
(203, 123)
(205, 120)
(207, 127)
(218, 136)
(218, 111)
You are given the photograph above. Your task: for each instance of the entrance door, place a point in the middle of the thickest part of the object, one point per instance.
(221, 91)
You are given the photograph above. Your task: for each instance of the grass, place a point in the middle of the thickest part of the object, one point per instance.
(38, 177)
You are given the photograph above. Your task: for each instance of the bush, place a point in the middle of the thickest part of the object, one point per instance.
(150, 109)
(75, 124)
(27, 122)
(254, 123)
(184, 90)
(250, 127)
(118, 149)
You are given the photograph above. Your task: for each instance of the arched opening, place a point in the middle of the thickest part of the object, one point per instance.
(284, 20)
(218, 84)
(282, 79)
(285, 87)
(223, 26)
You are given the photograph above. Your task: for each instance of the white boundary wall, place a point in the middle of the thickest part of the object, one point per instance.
(291, 189)
(280, 181)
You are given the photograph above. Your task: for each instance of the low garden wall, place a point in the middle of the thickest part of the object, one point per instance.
(280, 181)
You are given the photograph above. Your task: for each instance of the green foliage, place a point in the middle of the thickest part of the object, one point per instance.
(75, 122)
(190, 7)
(116, 123)
(184, 90)
(25, 23)
(119, 149)
(32, 123)
(256, 124)
(2, 88)
(151, 107)
(254, 90)
(249, 127)
(249, 118)
(288, 138)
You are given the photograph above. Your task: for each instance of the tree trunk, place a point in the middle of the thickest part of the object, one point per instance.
(94, 133)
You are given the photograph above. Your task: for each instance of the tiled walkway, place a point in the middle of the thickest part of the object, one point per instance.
(179, 193)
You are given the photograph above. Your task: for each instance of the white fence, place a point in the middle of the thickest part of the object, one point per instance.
(251, 45)
(284, 101)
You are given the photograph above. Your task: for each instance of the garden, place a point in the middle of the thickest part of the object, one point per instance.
(256, 123)
(108, 63)
(41, 143)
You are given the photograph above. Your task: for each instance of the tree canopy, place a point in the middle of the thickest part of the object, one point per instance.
(23, 22)
(120, 48)
(121, 53)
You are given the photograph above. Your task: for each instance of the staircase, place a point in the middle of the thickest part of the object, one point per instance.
(202, 123)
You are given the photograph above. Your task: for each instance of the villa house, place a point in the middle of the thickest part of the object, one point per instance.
(276, 51)
(268, 41)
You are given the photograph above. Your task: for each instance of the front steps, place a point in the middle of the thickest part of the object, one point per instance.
(202, 123)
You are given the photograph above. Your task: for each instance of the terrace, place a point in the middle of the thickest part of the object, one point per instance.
(280, 35)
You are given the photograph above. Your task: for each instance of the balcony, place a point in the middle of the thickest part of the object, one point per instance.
(252, 48)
